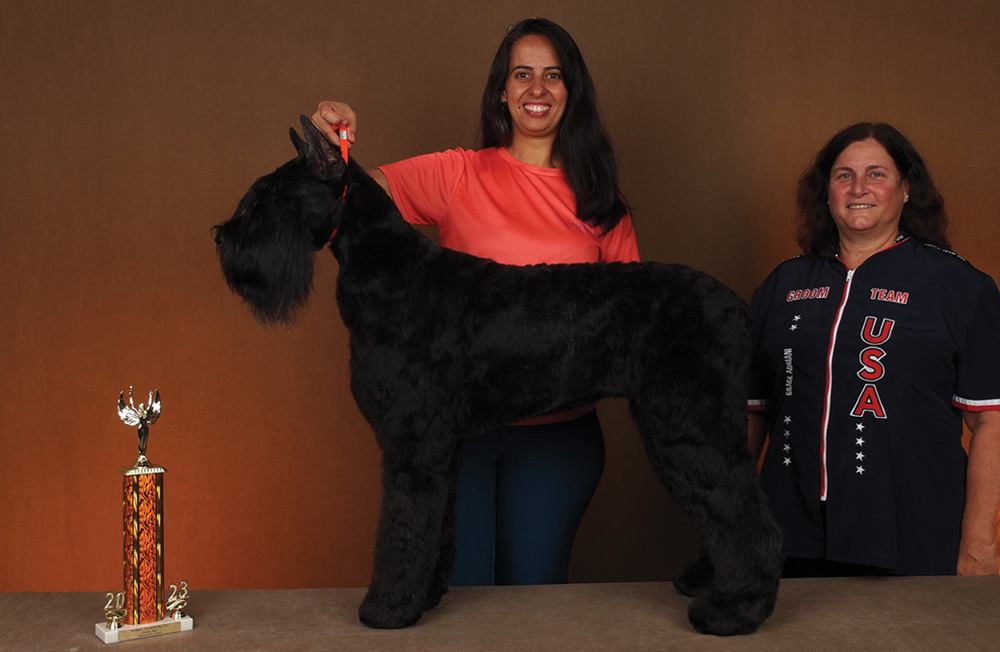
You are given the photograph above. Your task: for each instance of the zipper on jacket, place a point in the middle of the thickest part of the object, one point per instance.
(828, 393)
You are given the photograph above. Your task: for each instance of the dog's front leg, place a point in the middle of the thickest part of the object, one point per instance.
(446, 552)
(415, 493)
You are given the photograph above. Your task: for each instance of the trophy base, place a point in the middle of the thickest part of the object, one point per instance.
(132, 632)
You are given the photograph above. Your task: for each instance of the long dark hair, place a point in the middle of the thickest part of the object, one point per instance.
(587, 155)
(923, 217)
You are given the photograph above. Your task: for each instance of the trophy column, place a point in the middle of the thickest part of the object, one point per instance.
(142, 498)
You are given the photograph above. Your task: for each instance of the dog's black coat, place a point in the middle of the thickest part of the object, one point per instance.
(446, 345)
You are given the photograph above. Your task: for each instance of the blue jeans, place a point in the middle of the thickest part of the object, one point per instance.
(522, 493)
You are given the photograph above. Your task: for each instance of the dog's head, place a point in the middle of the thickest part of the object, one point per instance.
(266, 248)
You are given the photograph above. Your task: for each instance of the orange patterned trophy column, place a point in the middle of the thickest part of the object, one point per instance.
(142, 496)
(138, 611)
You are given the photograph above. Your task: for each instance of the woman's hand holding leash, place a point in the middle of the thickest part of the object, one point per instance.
(331, 117)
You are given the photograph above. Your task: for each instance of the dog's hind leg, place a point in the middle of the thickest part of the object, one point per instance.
(696, 443)
(696, 576)
(415, 494)
(715, 484)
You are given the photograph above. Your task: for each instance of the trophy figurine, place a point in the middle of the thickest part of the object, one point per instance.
(138, 611)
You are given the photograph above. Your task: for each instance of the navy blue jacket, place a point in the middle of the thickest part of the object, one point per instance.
(861, 376)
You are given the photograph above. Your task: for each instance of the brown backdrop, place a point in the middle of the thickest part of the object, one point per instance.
(128, 129)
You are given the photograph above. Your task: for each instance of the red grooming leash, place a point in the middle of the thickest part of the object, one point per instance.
(342, 133)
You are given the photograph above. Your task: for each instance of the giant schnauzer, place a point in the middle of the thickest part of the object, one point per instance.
(445, 345)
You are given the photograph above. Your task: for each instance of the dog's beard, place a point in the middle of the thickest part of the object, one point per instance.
(269, 265)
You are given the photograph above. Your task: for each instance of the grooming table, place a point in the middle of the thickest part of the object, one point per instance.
(925, 614)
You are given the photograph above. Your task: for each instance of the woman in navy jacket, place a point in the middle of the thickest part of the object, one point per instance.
(871, 348)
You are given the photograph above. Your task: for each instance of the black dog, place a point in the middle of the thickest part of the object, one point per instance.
(446, 345)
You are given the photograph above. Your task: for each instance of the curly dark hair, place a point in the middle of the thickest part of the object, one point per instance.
(923, 217)
(582, 142)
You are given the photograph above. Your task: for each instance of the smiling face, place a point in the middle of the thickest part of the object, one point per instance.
(866, 192)
(535, 92)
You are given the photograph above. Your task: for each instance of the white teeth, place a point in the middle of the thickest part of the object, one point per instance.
(861, 205)
(536, 107)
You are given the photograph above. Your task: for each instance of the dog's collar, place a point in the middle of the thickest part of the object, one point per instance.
(342, 133)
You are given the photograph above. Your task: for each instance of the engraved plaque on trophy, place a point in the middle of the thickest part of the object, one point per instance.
(138, 611)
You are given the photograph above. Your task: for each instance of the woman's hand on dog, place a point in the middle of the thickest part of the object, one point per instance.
(331, 115)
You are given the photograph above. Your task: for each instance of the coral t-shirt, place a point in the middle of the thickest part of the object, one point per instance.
(489, 204)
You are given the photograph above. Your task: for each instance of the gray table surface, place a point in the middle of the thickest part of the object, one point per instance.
(950, 614)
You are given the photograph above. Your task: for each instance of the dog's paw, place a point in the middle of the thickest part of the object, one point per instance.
(380, 613)
(433, 598)
(724, 614)
(695, 578)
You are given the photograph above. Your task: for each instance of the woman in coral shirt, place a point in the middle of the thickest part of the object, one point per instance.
(542, 189)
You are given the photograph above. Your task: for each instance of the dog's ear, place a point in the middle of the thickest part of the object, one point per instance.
(323, 159)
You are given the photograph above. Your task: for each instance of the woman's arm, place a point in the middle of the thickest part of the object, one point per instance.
(977, 553)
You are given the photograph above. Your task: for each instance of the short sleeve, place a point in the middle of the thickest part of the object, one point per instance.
(760, 307)
(422, 187)
(978, 384)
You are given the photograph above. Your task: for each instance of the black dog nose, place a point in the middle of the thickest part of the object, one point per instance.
(217, 235)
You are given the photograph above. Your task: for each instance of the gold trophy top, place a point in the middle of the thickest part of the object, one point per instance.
(142, 416)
